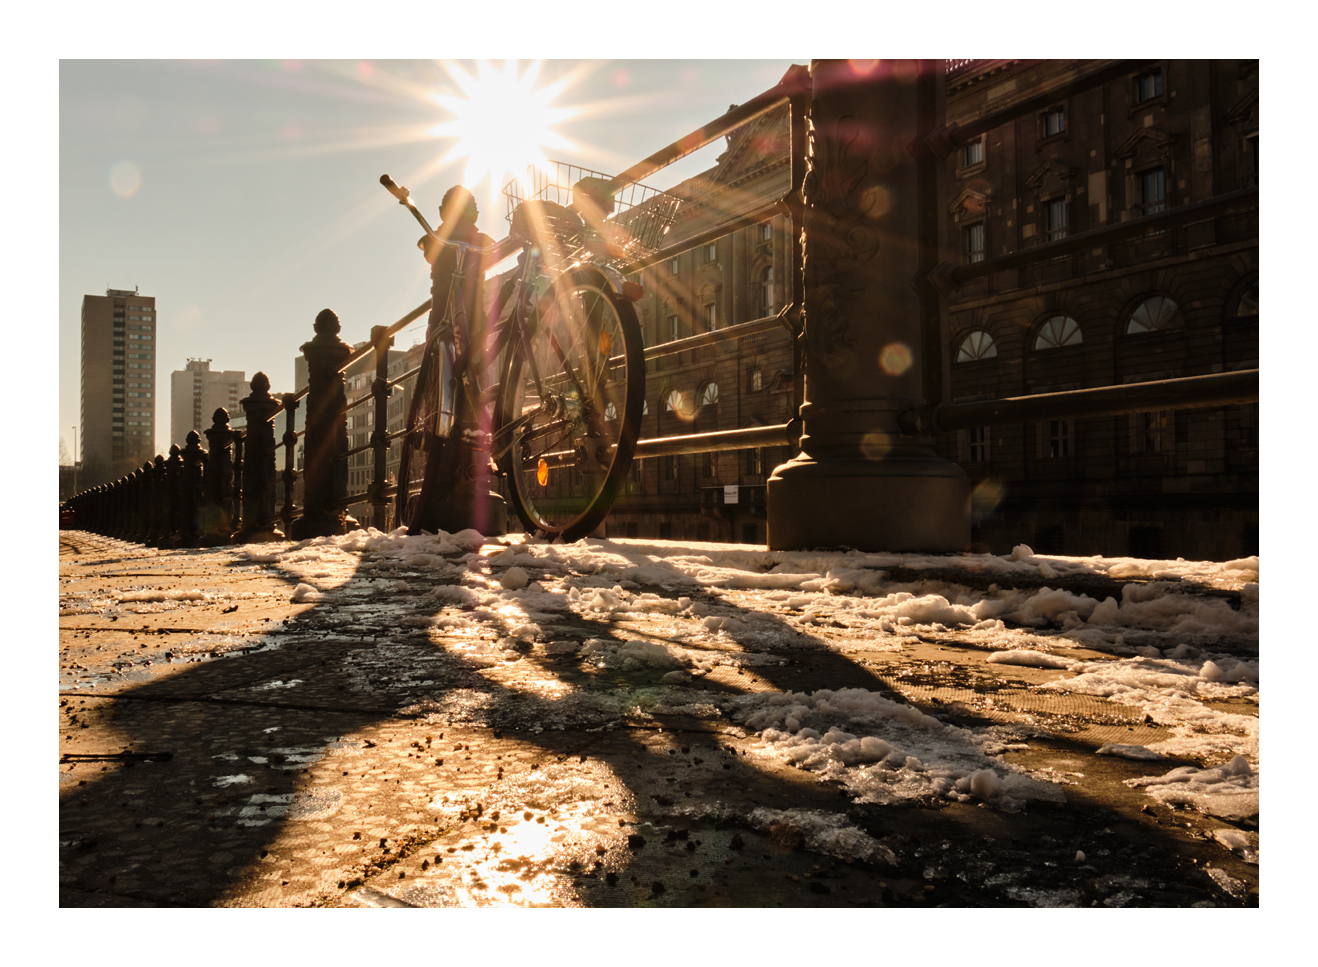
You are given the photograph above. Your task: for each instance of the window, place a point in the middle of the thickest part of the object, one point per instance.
(1054, 121)
(672, 328)
(673, 402)
(670, 467)
(972, 154)
(977, 440)
(709, 395)
(766, 292)
(756, 380)
(1057, 332)
(610, 412)
(974, 235)
(1057, 440)
(1153, 431)
(1055, 216)
(1153, 191)
(977, 345)
(711, 252)
(672, 266)
(708, 465)
(754, 462)
(1149, 86)
(1154, 313)
(764, 231)
(711, 317)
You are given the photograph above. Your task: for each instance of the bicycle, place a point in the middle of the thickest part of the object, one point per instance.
(562, 421)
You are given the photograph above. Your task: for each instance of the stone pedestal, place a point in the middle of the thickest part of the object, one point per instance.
(870, 242)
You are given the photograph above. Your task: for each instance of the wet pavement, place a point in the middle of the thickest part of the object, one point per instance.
(232, 736)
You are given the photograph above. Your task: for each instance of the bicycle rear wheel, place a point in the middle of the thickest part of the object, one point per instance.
(579, 398)
(418, 442)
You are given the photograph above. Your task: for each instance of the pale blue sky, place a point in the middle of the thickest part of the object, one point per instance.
(257, 200)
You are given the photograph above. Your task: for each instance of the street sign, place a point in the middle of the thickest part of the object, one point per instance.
(730, 492)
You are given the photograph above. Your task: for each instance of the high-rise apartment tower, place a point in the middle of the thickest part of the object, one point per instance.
(195, 393)
(118, 382)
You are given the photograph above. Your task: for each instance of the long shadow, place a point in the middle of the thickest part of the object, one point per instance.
(212, 778)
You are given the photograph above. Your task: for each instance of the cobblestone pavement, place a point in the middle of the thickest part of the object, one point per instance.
(229, 739)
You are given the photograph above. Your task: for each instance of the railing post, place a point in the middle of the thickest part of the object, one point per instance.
(173, 498)
(190, 491)
(860, 481)
(156, 502)
(142, 503)
(380, 435)
(215, 521)
(259, 465)
(289, 476)
(325, 441)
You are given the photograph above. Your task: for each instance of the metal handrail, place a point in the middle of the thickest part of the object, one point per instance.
(1189, 392)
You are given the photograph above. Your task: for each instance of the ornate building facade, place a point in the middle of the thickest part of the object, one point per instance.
(1178, 300)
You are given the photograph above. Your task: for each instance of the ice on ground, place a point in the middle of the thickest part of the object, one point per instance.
(1229, 791)
(821, 832)
(1137, 752)
(193, 595)
(883, 751)
(1031, 659)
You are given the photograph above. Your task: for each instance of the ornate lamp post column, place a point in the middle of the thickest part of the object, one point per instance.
(324, 470)
(859, 480)
(217, 512)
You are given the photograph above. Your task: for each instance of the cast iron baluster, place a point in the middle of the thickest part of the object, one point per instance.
(173, 498)
(289, 476)
(325, 471)
(382, 342)
(216, 518)
(191, 491)
(259, 465)
(142, 530)
(156, 509)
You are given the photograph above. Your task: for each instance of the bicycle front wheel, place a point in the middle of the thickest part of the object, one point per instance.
(575, 402)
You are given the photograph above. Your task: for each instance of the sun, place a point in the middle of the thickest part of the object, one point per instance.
(503, 122)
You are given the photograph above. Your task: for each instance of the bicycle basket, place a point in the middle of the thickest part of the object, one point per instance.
(636, 224)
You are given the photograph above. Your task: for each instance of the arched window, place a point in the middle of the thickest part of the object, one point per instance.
(709, 394)
(1057, 332)
(1249, 302)
(767, 306)
(610, 412)
(977, 345)
(1156, 312)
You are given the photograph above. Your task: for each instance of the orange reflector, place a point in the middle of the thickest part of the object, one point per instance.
(606, 343)
(632, 290)
(542, 474)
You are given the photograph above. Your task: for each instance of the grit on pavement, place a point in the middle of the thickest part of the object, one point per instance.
(377, 720)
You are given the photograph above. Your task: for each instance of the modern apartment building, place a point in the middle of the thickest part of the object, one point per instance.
(196, 392)
(118, 383)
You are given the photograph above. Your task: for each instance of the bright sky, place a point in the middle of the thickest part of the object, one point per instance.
(245, 195)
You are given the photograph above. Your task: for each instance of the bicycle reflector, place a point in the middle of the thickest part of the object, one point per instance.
(632, 291)
(542, 473)
(606, 343)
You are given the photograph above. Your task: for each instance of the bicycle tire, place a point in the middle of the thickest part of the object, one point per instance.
(566, 465)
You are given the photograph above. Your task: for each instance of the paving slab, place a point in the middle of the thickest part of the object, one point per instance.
(292, 725)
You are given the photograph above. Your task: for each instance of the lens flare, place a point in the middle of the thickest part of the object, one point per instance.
(895, 358)
(502, 122)
(875, 446)
(542, 473)
(986, 497)
(125, 179)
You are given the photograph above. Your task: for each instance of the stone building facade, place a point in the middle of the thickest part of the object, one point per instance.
(1173, 302)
